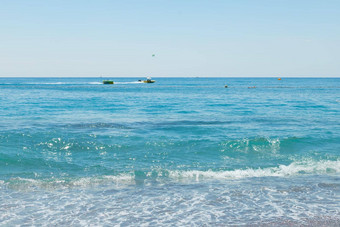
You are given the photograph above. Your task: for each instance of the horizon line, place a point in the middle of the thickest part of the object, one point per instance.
(170, 77)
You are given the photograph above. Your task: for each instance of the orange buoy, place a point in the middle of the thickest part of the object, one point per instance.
(279, 78)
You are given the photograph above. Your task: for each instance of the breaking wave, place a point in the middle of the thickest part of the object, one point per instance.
(323, 167)
(294, 169)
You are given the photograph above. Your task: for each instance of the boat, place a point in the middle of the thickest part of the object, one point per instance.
(148, 80)
(108, 82)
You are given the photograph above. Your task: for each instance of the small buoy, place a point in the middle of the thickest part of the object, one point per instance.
(279, 78)
(226, 86)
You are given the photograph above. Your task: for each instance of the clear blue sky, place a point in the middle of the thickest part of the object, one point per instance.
(189, 38)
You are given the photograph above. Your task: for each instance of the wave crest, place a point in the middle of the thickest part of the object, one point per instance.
(324, 167)
(294, 169)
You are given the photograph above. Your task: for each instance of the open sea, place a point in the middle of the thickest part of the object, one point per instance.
(178, 152)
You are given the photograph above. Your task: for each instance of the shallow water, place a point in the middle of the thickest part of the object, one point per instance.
(181, 151)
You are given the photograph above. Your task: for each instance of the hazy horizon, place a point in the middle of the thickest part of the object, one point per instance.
(143, 77)
(163, 38)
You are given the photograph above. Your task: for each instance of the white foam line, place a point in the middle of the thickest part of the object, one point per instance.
(295, 168)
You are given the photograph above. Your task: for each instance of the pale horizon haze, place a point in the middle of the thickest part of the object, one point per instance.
(245, 38)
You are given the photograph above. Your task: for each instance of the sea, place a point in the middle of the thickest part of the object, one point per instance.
(177, 152)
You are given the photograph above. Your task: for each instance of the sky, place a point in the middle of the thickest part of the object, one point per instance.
(188, 38)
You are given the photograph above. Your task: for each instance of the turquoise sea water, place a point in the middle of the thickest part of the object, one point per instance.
(181, 151)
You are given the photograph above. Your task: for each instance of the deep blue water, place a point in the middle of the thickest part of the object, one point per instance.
(181, 151)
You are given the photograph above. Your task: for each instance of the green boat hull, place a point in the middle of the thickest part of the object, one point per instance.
(108, 82)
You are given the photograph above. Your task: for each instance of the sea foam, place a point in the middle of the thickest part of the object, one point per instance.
(185, 176)
(293, 169)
